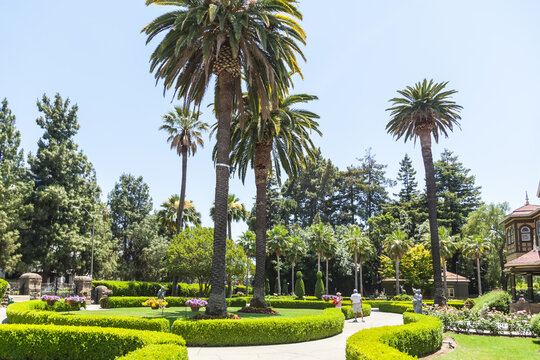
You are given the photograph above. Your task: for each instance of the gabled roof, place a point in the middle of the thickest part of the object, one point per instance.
(525, 211)
(449, 277)
(531, 258)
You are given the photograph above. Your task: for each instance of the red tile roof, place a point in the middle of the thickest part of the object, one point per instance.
(452, 276)
(524, 211)
(530, 258)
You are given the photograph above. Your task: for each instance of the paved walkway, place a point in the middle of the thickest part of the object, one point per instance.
(324, 349)
(3, 317)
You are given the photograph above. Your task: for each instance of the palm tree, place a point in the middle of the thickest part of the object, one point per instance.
(277, 243)
(167, 216)
(296, 248)
(254, 41)
(236, 211)
(397, 244)
(358, 243)
(475, 246)
(449, 245)
(321, 240)
(268, 145)
(426, 110)
(247, 241)
(184, 130)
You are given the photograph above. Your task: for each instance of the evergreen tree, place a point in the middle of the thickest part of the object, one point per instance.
(319, 286)
(13, 189)
(64, 183)
(299, 288)
(406, 176)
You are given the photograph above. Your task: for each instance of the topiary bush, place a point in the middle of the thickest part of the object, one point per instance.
(420, 335)
(299, 288)
(535, 322)
(3, 288)
(319, 286)
(267, 287)
(260, 331)
(498, 299)
(21, 342)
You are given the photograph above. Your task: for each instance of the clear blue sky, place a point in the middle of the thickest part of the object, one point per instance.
(359, 53)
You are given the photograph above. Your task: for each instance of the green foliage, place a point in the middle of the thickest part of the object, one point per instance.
(415, 267)
(267, 287)
(498, 299)
(535, 322)
(143, 288)
(420, 335)
(299, 288)
(319, 286)
(402, 297)
(260, 331)
(3, 288)
(161, 352)
(349, 314)
(136, 301)
(395, 307)
(20, 342)
(33, 312)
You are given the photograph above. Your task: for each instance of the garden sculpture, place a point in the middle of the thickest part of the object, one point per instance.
(161, 293)
(417, 301)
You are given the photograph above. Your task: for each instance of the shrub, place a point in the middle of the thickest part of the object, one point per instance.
(145, 288)
(420, 335)
(33, 312)
(19, 342)
(133, 301)
(395, 307)
(267, 287)
(498, 299)
(276, 286)
(319, 286)
(349, 314)
(3, 288)
(299, 288)
(260, 331)
(535, 322)
(402, 297)
(469, 303)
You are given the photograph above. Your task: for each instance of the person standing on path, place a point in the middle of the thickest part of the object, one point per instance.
(356, 300)
(338, 300)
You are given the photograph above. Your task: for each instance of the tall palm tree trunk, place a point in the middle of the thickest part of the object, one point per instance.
(318, 261)
(444, 278)
(425, 141)
(397, 277)
(247, 277)
(478, 274)
(229, 227)
(216, 303)
(361, 280)
(180, 217)
(326, 287)
(292, 279)
(278, 276)
(355, 268)
(261, 167)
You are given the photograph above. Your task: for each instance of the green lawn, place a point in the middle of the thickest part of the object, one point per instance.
(174, 313)
(478, 347)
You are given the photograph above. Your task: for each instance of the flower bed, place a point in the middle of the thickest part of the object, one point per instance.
(136, 301)
(485, 322)
(254, 310)
(69, 342)
(260, 331)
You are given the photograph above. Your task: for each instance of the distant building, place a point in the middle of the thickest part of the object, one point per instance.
(458, 286)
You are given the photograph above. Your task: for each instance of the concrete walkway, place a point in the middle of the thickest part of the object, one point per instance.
(3, 317)
(324, 349)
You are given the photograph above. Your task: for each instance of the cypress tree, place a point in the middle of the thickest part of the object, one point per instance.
(299, 288)
(319, 286)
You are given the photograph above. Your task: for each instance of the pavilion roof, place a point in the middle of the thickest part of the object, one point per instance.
(525, 211)
(531, 258)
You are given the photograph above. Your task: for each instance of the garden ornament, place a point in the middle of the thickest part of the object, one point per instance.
(417, 301)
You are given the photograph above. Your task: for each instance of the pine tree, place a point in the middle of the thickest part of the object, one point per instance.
(406, 176)
(64, 184)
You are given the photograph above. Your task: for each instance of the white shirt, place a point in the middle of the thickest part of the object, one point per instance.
(356, 298)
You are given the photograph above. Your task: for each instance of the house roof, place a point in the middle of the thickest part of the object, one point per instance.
(528, 259)
(525, 211)
(449, 277)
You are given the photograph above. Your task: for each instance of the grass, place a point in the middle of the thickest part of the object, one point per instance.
(174, 313)
(477, 347)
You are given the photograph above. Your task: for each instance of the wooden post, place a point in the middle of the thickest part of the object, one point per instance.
(513, 285)
(530, 287)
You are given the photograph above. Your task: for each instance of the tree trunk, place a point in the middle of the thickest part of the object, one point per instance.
(318, 261)
(216, 303)
(278, 276)
(397, 277)
(356, 269)
(247, 277)
(479, 278)
(179, 216)
(174, 290)
(292, 279)
(425, 141)
(444, 277)
(361, 280)
(229, 288)
(261, 168)
(326, 292)
(229, 224)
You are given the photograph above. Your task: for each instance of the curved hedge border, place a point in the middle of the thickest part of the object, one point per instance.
(136, 301)
(420, 335)
(260, 331)
(3, 288)
(396, 307)
(20, 342)
(32, 312)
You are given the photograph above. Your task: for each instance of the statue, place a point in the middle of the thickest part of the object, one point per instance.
(417, 301)
(402, 289)
(161, 293)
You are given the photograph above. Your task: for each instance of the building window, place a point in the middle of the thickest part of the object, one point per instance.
(451, 293)
(525, 234)
(510, 236)
(538, 232)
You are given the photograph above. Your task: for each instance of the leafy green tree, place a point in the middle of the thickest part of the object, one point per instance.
(247, 241)
(267, 287)
(299, 289)
(236, 264)
(14, 186)
(319, 238)
(105, 246)
(379, 227)
(184, 130)
(449, 245)
(63, 179)
(319, 286)
(129, 204)
(358, 243)
(458, 195)
(277, 244)
(422, 111)
(235, 40)
(475, 247)
(415, 267)
(236, 211)
(296, 249)
(397, 244)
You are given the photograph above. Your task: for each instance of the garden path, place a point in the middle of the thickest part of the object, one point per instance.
(332, 348)
(3, 317)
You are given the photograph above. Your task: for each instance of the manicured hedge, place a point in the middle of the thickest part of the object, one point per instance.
(396, 307)
(498, 299)
(32, 312)
(21, 342)
(458, 304)
(535, 322)
(145, 288)
(260, 331)
(349, 314)
(303, 304)
(136, 301)
(420, 335)
(3, 288)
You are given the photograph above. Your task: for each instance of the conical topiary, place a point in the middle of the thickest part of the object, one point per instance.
(319, 286)
(299, 288)
(276, 287)
(284, 287)
(267, 287)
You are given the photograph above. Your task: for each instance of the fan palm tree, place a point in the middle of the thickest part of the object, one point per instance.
(474, 247)
(296, 248)
(277, 243)
(247, 241)
(184, 130)
(397, 244)
(268, 145)
(422, 111)
(256, 41)
(448, 245)
(321, 240)
(169, 211)
(358, 243)
(236, 211)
